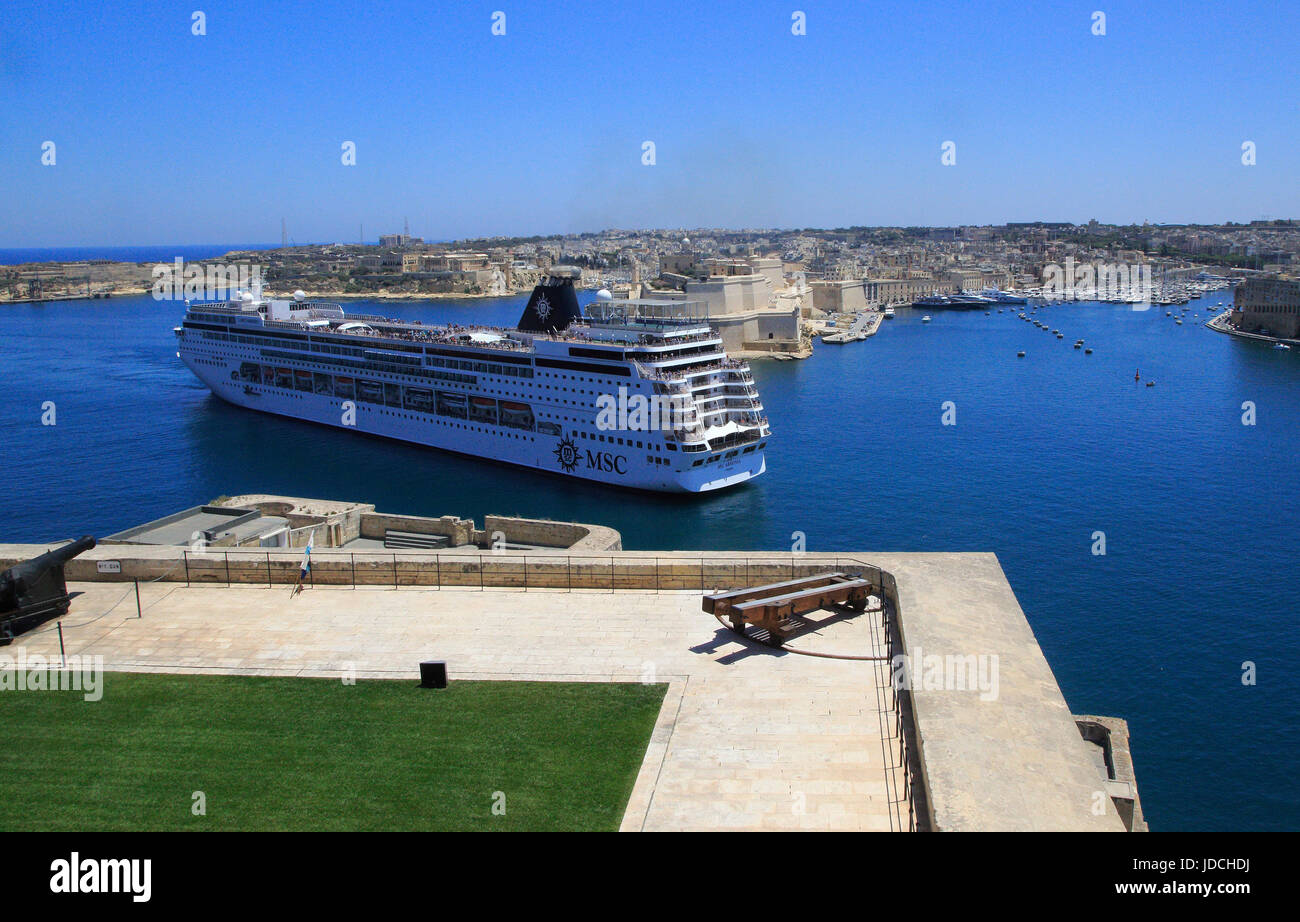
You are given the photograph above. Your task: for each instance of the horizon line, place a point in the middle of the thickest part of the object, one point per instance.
(660, 230)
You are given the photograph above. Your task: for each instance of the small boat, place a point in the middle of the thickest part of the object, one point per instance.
(889, 313)
(1087, 352)
(925, 319)
(1281, 346)
(1020, 354)
(1151, 384)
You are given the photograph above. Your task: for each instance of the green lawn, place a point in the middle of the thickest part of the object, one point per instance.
(283, 753)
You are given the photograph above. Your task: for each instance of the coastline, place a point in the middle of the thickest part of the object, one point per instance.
(313, 295)
(406, 296)
(748, 355)
(1219, 324)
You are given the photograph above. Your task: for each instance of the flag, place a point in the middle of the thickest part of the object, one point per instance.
(306, 558)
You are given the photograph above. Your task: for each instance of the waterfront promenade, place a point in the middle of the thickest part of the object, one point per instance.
(1220, 323)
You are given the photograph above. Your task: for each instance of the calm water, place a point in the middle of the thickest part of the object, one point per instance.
(1200, 512)
(130, 254)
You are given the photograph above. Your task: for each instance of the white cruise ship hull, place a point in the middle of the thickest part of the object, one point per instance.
(616, 465)
(625, 398)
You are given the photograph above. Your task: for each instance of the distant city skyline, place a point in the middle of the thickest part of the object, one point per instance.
(161, 136)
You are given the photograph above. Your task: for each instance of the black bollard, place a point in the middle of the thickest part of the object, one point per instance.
(433, 674)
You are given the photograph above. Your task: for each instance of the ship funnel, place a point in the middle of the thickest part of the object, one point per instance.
(554, 303)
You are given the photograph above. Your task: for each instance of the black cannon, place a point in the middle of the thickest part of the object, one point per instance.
(33, 592)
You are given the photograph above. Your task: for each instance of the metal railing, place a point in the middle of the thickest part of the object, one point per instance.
(414, 568)
(914, 793)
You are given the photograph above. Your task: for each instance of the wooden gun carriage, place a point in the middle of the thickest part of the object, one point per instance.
(776, 608)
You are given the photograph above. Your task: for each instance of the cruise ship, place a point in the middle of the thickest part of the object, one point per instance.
(628, 394)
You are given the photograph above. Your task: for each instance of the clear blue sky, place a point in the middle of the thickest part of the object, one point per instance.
(167, 137)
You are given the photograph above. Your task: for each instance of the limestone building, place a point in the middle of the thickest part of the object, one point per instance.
(1268, 306)
(748, 301)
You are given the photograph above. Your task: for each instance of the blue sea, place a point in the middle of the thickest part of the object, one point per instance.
(126, 254)
(1200, 513)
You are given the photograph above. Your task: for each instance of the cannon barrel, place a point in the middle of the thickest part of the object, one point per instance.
(55, 558)
(34, 590)
(30, 570)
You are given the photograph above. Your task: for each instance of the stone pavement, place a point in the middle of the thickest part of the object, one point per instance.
(748, 737)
